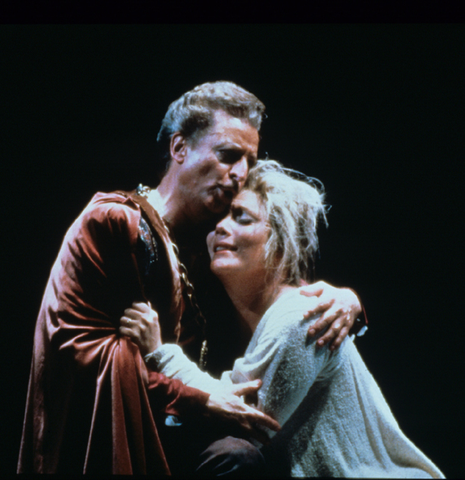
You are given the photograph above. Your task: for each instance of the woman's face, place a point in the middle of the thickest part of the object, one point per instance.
(238, 242)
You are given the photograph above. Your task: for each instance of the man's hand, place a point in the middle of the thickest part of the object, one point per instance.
(140, 323)
(339, 307)
(227, 405)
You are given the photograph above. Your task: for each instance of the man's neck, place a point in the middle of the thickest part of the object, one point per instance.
(164, 201)
(184, 233)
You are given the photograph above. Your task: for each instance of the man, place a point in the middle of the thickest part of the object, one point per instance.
(92, 404)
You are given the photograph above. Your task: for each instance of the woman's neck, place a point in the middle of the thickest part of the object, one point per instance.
(251, 299)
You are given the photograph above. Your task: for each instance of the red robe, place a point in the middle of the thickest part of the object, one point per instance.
(91, 400)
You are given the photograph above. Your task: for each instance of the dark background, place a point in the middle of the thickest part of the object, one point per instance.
(374, 111)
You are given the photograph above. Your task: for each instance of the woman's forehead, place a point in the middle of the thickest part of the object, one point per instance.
(250, 201)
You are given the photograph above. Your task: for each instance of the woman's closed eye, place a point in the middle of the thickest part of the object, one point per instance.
(240, 216)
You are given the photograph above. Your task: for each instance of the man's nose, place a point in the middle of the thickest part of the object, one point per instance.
(239, 170)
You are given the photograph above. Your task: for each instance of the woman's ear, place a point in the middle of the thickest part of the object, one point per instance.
(178, 147)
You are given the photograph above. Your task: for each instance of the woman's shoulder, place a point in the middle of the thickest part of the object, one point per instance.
(287, 312)
(292, 303)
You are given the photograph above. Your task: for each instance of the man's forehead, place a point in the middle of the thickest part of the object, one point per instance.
(220, 115)
(225, 135)
(222, 119)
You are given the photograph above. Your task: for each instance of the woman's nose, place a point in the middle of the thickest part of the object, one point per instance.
(220, 230)
(222, 227)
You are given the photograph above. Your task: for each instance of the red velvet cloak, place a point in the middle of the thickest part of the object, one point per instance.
(91, 401)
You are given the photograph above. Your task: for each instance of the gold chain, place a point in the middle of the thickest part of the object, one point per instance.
(144, 191)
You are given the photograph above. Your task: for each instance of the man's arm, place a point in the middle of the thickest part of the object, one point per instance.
(341, 312)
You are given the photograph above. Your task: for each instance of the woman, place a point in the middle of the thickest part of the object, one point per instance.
(335, 421)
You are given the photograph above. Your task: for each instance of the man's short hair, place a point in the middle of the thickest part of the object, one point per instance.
(193, 112)
(294, 203)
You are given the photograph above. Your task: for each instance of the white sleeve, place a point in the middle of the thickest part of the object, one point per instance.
(285, 361)
(170, 360)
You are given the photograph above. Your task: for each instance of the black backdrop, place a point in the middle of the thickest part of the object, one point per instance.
(375, 111)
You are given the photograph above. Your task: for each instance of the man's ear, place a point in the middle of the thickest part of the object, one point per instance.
(178, 147)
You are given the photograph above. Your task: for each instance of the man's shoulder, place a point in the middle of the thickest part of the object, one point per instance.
(111, 209)
(112, 202)
(117, 198)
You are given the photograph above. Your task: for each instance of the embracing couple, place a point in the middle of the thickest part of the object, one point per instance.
(112, 391)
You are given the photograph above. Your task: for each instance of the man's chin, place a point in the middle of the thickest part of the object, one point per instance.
(219, 207)
(206, 222)
(221, 198)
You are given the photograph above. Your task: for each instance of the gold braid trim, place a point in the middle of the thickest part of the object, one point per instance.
(144, 191)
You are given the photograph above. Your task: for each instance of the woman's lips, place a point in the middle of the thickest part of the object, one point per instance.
(221, 247)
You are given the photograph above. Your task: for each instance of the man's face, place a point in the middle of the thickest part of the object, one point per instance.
(216, 165)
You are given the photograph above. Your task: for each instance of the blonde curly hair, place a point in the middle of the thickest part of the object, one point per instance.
(294, 205)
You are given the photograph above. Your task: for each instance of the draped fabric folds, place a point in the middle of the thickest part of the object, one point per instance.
(91, 401)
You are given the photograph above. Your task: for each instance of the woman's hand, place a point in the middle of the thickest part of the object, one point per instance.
(140, 323)
(339, 307)
(226, 405)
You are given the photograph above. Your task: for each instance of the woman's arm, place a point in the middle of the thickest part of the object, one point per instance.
(170, 360)
(140, 323)
(287, 362)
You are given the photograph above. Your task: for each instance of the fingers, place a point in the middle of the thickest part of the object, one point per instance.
(311, 290)
(255, 415)
(138, 308)
(127, 332)
(246, 388)
(320, 308)
(143, 332)
(130, 327)
(338, 330)
(355, 303)
(130, 324)
(253, 422)
(127, 321)
(323, 322)
(140, 312)
(330, 335)
(133, 313)
(316, 289)
(230, 408)
(336, 343)
(266, 421)
(141, 307)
